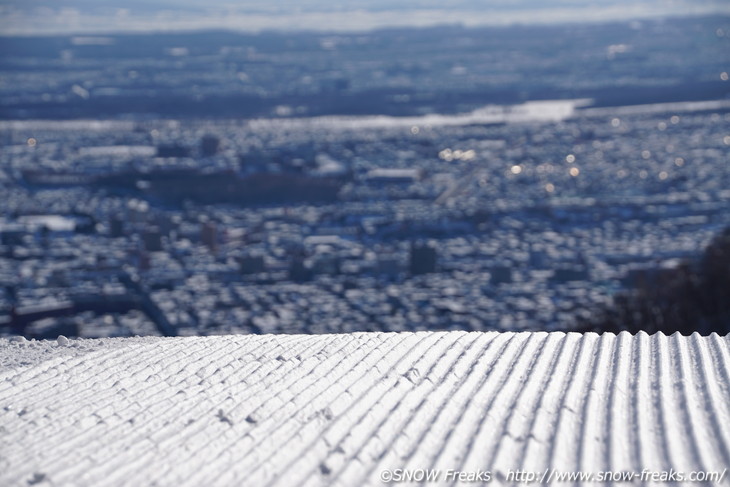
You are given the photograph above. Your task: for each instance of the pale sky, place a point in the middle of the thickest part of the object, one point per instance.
(24, 17)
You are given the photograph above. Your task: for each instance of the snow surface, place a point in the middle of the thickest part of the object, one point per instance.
(17, 352)
(295, 410)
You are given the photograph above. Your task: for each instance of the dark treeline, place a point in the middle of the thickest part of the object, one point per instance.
(692, 297)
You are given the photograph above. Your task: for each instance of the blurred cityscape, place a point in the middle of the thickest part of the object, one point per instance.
(510, 178)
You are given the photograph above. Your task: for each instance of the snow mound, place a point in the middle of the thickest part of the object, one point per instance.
(341, 409)
(17, 352)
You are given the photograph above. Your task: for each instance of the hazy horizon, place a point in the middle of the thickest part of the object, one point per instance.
(45, 17)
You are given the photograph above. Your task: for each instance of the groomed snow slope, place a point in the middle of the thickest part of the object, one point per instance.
(296, 410)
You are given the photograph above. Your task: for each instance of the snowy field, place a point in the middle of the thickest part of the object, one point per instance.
(296, 410)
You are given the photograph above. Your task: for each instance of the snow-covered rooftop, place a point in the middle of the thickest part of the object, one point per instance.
(296, 410)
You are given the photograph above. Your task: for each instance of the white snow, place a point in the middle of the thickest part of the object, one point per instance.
(296, 410)
(17, 352)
